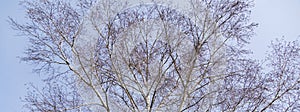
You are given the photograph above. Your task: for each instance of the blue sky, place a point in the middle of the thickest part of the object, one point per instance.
(13, 74)
(276, 18)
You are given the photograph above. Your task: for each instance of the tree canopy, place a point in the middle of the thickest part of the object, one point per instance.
(109, 55)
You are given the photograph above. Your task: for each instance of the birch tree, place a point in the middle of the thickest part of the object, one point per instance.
(110, 55)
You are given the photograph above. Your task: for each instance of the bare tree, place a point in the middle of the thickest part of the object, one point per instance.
(54, 97)
(282, 80)
(114, 56)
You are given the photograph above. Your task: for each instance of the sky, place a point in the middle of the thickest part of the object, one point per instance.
(13, 74)
(276, 18)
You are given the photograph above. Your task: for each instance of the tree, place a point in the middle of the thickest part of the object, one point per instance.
(107, 56)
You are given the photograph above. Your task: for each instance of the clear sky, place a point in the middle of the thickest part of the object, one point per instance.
(276, 18)
(13, 74)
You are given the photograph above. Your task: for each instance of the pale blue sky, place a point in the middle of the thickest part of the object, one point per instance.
(13, 74)
(276, 18)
